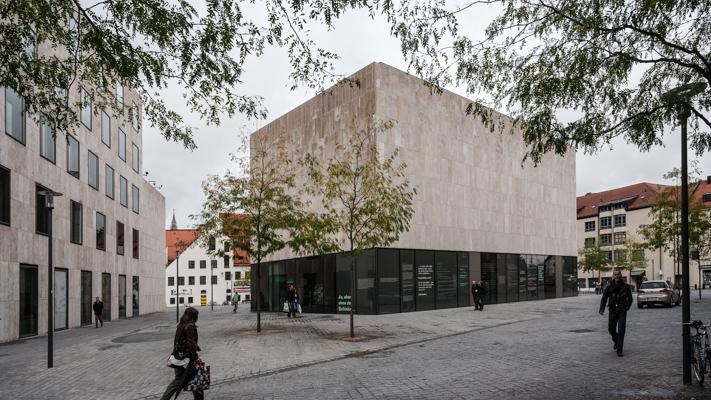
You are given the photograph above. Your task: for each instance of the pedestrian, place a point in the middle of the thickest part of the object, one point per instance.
(482, 293)
(478, 294)
(98, 307)
(292, 299)
(618, 297)
(235, 302)
(186, 342)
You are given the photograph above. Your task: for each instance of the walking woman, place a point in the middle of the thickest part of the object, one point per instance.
(186, 342)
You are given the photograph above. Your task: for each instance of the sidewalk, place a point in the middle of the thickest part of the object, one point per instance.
(125, 359)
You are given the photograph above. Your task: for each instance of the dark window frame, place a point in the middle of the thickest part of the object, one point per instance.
(589, 226)
(23, 116)
(100, 236)
(607, 219)
(103, 128)
(120, 234)
(106, 182)
(72, 233)
(136, 243)
(135, 157)
(123, 194)
(88, 173)
(78, 154)
(39, 199)
(6, 211)
(622, 218)
(122, 144)
(84, 94)
(43, 124)
(135, 199)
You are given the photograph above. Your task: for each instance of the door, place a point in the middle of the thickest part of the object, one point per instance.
(28, 300)
(122, 296)
(61, 299)
(106, 296)
(86, 298)
(134, 296)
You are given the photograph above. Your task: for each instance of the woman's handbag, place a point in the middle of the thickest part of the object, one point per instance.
(299, 308)
(201, 379)
(178, 359)
(286, 307)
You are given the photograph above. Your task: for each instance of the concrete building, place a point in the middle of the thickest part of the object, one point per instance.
(108, 236)
(479, 213)
(201, 277)
(609, 218)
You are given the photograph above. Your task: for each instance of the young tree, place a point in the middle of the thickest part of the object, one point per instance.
(593, 259)
(631, 255)
(256, 209)
(366, 196)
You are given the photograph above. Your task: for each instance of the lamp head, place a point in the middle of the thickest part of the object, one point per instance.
(49, 196)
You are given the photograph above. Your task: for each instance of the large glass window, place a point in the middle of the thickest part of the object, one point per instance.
(93, 170)
(388, 281)
(512, 261)
(4, 196)
(48, 144)
(446, 278)
(85, 108)
(105, 128)
(136, 243)
(425, 280)
(72, 156)
(501, 289)
(620, 237)
(135, 157)
(40, 211)
(620, 220)
(136, 200)
(589, 226)
(605, 222)
(488, 275)
(606, 239)
(463, 279)
(122, 144)
(123, 191)
(570, 277)
(343, 283)
(75, 234)
(14, 115)
(109, 179)
(407, 270)
(100, 231)
(120, 238)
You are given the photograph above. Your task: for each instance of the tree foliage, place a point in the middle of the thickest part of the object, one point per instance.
(631, 255)
(606, 63)
(593, 259)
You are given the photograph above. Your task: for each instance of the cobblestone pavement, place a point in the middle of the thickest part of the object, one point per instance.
(553, 349)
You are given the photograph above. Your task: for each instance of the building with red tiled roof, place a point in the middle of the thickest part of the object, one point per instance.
(178, 240)
(612, 217)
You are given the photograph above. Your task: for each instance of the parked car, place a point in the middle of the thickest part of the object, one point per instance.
(657, 292)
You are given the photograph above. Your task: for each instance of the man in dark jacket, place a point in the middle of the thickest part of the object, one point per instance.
(98, 307)
(618, 297)
(478, 292)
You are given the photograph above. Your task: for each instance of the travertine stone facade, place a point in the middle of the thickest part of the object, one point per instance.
(21, 245)
(474, 194)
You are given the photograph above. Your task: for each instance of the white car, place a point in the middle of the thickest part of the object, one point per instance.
(657, 292)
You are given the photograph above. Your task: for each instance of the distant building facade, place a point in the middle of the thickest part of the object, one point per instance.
(479, 214)
(202, 278)
(611, 217)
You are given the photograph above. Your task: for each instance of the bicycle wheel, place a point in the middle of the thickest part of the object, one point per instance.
(698, 362)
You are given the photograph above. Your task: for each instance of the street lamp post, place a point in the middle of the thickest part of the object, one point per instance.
(49, 196)
(679, 99)
(177, 286)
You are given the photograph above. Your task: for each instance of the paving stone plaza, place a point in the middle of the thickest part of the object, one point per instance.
(552, 349)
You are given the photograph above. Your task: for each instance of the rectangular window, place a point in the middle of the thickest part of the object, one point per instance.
(203, 280)
(106, 129)
(100, 231)
(213, 263)
(109, 179)
(226, 261)
(72, 156)
(40, 212)
(172, 300)
(85, 108)
(589, 226)
(123, 191)
(93, 170)
(228, 276)
(606, 239)
(135, 243)
(589, 242)
(620, 237)
(191, 280)
(120, 238)
(135, 157)
(620, 220)
(134, 116)
(182, 299)
(181, 280)
(48, 144)
(203, 264)
(191, 264)
(4, 196)
(14, 115)
(119, 95)
(122, 144)
(605, 222)
(238, 275)
(706, 197)
(135, 195)
(75, 234)
(171, 281)
(214, 280)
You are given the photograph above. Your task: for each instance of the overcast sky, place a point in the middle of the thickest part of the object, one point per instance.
(359, 41)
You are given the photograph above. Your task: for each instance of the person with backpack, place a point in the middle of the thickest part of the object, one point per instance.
(617, 295)
(235, 302)
(185, 345)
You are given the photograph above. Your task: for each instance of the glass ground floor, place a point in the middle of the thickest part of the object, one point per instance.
(400, 280)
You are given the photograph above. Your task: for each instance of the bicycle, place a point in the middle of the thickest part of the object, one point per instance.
(700, 351)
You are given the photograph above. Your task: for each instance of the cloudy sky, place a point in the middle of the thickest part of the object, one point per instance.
(359, 41)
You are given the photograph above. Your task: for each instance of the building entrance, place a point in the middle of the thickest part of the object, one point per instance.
(106, 296)
(86, 300)
(28, 300)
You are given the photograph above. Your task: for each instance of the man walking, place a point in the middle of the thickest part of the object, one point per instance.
(618, 297)
(478, 292)
(235, 301)
(98, 307)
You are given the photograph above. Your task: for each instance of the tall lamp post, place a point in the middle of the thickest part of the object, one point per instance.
(177, 286)
(679, 100)
(211, 248)
(49, 196)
